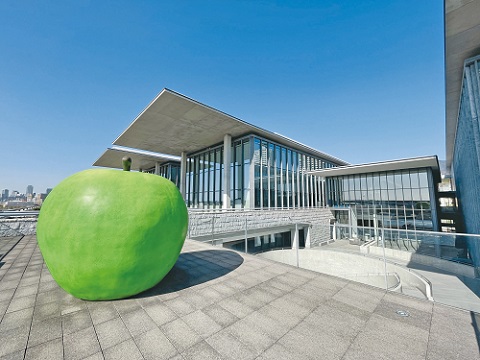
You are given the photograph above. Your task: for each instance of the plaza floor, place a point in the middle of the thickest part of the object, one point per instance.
(220, 304)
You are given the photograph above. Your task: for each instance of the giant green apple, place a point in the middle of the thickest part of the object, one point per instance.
(109, 234)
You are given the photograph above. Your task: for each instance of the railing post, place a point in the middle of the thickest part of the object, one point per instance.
(246, 239)
(213, 228)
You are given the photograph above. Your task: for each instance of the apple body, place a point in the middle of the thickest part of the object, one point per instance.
(108, 234)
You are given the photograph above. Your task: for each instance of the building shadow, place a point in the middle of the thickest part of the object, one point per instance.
(194, 268)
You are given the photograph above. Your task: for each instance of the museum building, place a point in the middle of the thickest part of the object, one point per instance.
(221, 162)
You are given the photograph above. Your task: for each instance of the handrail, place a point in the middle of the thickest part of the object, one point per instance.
(14, 214)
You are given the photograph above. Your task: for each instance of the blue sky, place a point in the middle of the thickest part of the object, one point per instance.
(361, 80)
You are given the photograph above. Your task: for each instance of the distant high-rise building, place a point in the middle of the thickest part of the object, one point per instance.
(30, 190)
(48, 190)
(5, 194)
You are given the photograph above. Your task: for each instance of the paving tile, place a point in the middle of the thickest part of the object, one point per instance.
(46, 286)
(180, 306)
(30, 280)
(229, 347)
(18, 355)
(111, 333)
(236, 307)
(220, 315)
(102, 311)
(54, 295)
(46, 311)
(285, 304)
(80, 344)
(201, 323)
(277, 351)
(325, 335)
(364, 299)
(286, 318)
(451, 334)
(201, 351)
(224, 289)
(126, 350)
(419, 304)
(51, 350)
(276, 283)
(76, 321)
(21, 303)
(259, 296)
(155, 345)
(160, 313)
(392, 339)
(274, 328)
(96, 356)
(338, 322)
(45, 331)
(16, 319)
(255, 339)
(126, 306)
(306, 347)
(418, 318)
(138, 322)
(6, 294)
(13, 340)
(26, 290)
(180, 334)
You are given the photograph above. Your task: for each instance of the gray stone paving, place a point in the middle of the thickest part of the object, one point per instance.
(219, 304)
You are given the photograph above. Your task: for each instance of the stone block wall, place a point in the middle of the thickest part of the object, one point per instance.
(204, 223)
(16, 227)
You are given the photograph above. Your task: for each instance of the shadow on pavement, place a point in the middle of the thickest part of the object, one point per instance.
(194, 268)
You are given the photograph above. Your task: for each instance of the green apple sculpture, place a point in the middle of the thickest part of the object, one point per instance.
(109, 234)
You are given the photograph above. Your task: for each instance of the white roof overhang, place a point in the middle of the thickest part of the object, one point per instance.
(112, 158)
(173, 123)
(403, 164)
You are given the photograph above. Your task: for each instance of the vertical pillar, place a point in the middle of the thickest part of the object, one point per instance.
(295, 239)
(157, 168)
(307, 231)
(227, 159)
(252, 173)
(183, 173)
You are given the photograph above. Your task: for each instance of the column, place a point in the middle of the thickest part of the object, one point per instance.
(295, 238)
(157, 168)
(307, 231)
(227, 159)
(183, 173)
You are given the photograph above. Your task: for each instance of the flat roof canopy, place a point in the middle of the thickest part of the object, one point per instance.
(173, 123)
(462, 41)
(403, 164)
(112, 158)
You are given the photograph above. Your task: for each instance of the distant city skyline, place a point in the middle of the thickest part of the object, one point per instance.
(25, 191)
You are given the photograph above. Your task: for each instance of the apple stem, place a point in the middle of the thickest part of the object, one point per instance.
(127, 163)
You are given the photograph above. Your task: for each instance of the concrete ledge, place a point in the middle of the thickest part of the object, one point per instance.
(366, 270)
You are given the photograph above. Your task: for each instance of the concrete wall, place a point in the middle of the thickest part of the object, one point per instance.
(221, 224)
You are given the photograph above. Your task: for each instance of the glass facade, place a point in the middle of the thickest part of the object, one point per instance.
(263, 243)
(204, 176)
(281, 179)
(403, 199)
(169, 170)
(263, 174)
(466, 155)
